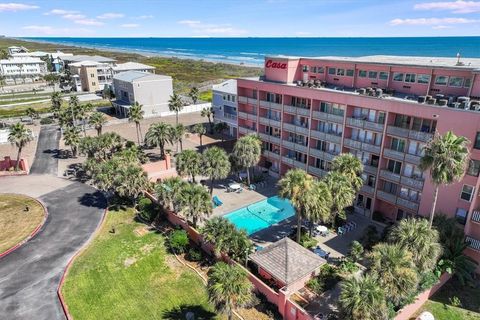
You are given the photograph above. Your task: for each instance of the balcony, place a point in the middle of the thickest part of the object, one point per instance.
(397, 131)
(288, 160)
(362, 211)
(412, 158)
(473, 243)
(416, 183)
(243, 99)
(289, 127)
(331, 137)
(370, 169)
(322, 154)
(370, 147)
(272, 105)
(420, 136)
(367, 189)
(352, 143)
(288, 144)
(317, 171)
(270, 121)
(301, 148)
(327, 116)
(299, 164)
(389, 175)
(407, 204)
(475, 216)
(247, 130)
(393, 154)
(300, 110)
(387, 196)
(364, 124)
(271, 154)
(242, 115)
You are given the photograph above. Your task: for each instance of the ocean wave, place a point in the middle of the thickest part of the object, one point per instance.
(177, 53)
(242, 58)
(215, 56)
(252, 54)
(180, 49)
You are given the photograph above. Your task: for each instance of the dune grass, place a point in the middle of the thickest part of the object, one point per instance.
(128, 274)
(16, 224)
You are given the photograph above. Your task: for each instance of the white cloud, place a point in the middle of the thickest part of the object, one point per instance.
(111, 15)
(16, 7)
(459, 6)
(72, 16)
(60, 12)
(89, 22)
(54, 31)
(130, 25)
(431, 21)
(212, 29)
(143, 17)
(441, 27)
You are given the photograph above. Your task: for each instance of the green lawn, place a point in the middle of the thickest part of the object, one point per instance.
(441, 307)
(124, 275)
(206, 96)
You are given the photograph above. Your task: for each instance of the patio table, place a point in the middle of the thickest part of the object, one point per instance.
(322, 229)
(235, 186)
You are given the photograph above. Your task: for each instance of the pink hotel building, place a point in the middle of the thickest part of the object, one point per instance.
(383, 109)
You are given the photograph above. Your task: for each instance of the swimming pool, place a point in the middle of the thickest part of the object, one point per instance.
(261, 215)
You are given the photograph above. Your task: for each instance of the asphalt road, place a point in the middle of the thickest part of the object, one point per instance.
(46, 161)
(29, 276)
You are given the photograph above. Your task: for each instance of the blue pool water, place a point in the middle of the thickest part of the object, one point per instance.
(261, 215)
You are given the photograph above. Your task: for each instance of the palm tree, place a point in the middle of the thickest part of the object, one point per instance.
(188, 163)
(83, 115)
(97, 119)
(395, 271)
(131, 181)
(362, 298)
(293, 187)
(178, 133)
(208, 112)
(342, 192)
(220, 128)
(460, 265)
(247, 151)
(215, 164)
(217, 231)
(158, 135)
(446, 157)
(73, 104)
(416, 236)
(19, 136)
(318, 202)
(200, 130)
(56, 100)
(228, 287)
(194, 202)
(32, 113)
(168, 190)
(3, 54)
(136, 115)
(175, 104)
(351, 167)
(193, 94)
(72, 138)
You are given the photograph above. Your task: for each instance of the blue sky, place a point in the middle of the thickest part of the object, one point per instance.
(245, 18)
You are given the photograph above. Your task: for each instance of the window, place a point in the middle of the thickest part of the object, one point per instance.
(340, 72)
(92, 75)
(398, 76)
(372, 74)
(320, 70)
(394, 166)
(467, 83)
(398, 144)
(410, 77)
(455, 82)
(233, 98)
(305, 68)
(473, 167)
(423, 78)
(389, 187)
(476, 145)
(332, 71)
(461, 215)
(362, 73)
(467, 192)
(314, 69)
(383, 75)
(441, 80)
(350, 72)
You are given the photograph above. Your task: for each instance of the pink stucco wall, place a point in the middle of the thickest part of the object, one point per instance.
(7, 163)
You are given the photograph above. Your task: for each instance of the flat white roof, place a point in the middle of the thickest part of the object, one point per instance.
(20, 60)
(87, 63)
(132, 66)
(444, 62)
(132, 76)
(229, 86)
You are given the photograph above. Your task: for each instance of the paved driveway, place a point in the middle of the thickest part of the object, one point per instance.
(46, 161)
(29, 276)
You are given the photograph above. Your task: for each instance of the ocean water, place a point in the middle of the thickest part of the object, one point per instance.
(253, 50)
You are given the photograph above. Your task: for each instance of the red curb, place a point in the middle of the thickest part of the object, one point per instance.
(70, 262)
(33, 233)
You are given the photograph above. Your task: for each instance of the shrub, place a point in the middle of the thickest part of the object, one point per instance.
(178, 241)
(146, 209)
(347, 267)
(307, 241)
(326, 279)
(356, 251)
(46, 120)
(194, 255)
(427, 280)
